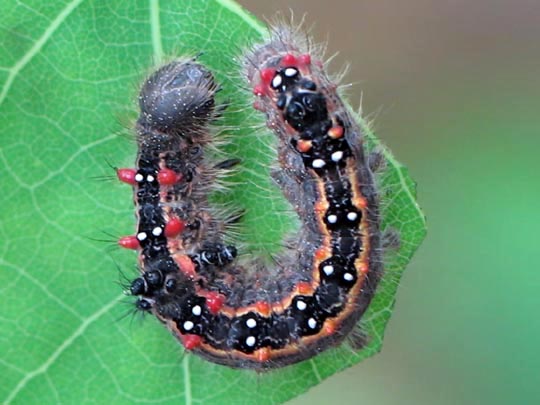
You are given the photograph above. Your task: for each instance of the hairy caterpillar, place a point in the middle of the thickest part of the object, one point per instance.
(249, 314)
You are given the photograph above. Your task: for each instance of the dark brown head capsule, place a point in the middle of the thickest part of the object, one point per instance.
(180, 95)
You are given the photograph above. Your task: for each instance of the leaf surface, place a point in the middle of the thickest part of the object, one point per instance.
(69, 73)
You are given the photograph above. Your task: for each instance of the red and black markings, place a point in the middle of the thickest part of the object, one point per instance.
(248, 314)
(177, 103)
(331, 273)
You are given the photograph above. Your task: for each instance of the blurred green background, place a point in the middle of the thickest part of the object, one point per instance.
(454, 91)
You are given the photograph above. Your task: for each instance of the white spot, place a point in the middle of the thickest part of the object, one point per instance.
(188, 325)
(251, 323)
(348, 277)
(250, 341)
(139, 177)
(328, 270)
(204, 258)
(332, 219)
(228, 253)
(150, 178)
(196, 310)
(336, 156)
(312, 323)
(351, 216)
(290, 72)
(142, 236)
(318, 163)
(301, 305)
(157, 231)
(276, 81)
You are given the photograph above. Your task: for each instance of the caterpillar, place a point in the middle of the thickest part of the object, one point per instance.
(243, 312)
(175, 226)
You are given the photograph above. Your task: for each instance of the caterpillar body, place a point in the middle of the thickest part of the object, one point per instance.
(247, 313)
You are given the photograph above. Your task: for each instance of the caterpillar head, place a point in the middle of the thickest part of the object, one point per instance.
(179, 95)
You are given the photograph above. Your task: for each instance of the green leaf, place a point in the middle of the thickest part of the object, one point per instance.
(69, 74)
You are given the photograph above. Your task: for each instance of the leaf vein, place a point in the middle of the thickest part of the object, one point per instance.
(63, 347)
(155, 30)
(243, 14)
(187, 380)
(34, 50)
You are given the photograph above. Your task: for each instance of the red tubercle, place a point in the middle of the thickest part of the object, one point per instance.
(267, 75)
(129, 242)
(185, 264)
(363, 268)
(361, 202)
(191, 342)
(335, 132)
(127, 176)
(304, 288)
(263, 308)
(174, 227)
(263, 354)
(168, 177)
(321, 253)
(303, 145)
(258, 90)
(304, 59)
(214, 301)
(330, 327)
(321, 207)
(289, 60)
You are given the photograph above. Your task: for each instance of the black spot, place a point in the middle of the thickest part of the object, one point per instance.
(186, 320)
(304, 322)
(281, 101)
(138, 286)
(189, 174)
(170, 284)
(218, 330)
(331, 268)
(143, 305)
(280, 332)
(305, 109)
(295, 113)
(348, 244)
(196, 224)
(309, 85)
(154, 279)
(330, 299)
(164, 265)
(245, 338)
(215, 254)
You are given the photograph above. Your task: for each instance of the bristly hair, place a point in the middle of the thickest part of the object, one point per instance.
(225, 303)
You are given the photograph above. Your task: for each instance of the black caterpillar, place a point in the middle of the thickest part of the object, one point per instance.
(247, 314)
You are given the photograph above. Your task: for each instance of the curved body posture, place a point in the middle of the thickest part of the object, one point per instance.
(249, 314)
